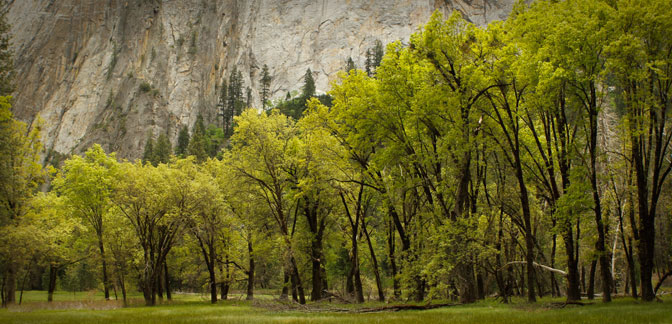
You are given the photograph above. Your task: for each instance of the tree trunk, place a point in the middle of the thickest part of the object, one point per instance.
(285, 286)
(356, 275)
(10, 283)
(573, 289)
(393, 263)
(250, 271)
(166, 277)
(53, 272)
(310, 210)
(480, 288)
(374, 260)
(159, 285)
(297, 280)
(591, 280)
(527, 222)
(213, 284)
(226, 283)
(106, 284)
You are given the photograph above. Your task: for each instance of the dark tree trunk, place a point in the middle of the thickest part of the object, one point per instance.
(166, 277)
(573, 289)
(480, 288)
(296, 281)
(310, 209)
(591, 280)
(374, 260)
(10, 284)
(357, 279)
(106, 283)
(159, 285)
(527, 222)
(213, 285)
(391, 245)
(226, 283)
(250, 271)
(53, 272)
(285, 285)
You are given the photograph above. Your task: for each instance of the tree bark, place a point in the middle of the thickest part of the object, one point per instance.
(106, 283)
(10, 283)
(250, 271)
(391, 245)
(591, 280)
(374, 260)
(53, 272)
(166, 277)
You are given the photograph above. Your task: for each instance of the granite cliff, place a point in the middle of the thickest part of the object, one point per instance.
(81, 63)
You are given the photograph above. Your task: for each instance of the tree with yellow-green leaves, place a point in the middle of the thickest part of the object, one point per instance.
(86, 185)
(21, 174)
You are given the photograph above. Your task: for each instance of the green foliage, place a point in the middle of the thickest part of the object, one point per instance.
(182, 142)
(349, 65)
(145, 87)
(198, 145)
(265, 86)
(308, 89)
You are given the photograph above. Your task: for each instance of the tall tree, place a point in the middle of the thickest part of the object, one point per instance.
(198, 145)
(163, 149)
(182, 142)
(265, 86)
(148, 154)
(86, 184)
(308, 89)
(20, 176)
(259, 154)
(640, 61)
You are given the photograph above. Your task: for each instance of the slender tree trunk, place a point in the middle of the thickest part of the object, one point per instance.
(591, 280)
(159, 285)
(166, 277)
(226, 284)
(356, 275)
(573, 289)
(106, 283)
(310, 212)
(527, 222)
(250, 272)
(23, 281)
(297, 281)
(391, 245)
(374, 260)
(285, 285)
(53, 272)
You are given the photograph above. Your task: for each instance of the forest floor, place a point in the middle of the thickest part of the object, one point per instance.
(195, 308)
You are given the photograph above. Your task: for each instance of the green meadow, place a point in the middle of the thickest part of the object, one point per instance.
(194, 308)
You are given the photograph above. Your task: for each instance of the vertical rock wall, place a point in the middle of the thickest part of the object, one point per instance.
(110, 71)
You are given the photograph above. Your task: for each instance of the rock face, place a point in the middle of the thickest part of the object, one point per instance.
(110, 71)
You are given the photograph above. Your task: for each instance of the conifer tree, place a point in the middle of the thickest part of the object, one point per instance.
(198, 145)
(308, 85)
(265, 86)
(350, 65)
(182, 142)
(148, 155)
(163, 149)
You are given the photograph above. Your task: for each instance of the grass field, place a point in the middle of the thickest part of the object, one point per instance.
(190, 308)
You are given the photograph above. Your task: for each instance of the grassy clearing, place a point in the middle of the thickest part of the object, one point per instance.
(189, 308)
